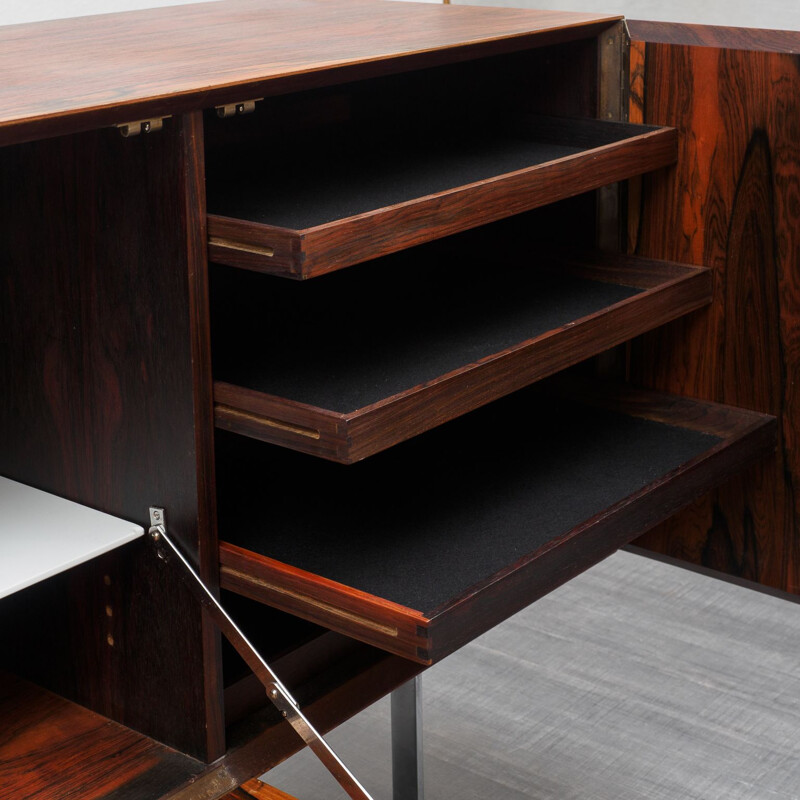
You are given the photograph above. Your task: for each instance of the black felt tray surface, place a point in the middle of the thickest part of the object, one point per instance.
(341, 174)
(315, 343)
(422, 523)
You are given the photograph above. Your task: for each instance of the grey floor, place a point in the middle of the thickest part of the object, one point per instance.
(636, 680)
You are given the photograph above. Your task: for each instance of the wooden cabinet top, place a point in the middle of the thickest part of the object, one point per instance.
(76, 74)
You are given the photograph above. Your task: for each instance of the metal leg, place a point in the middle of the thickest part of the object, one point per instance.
(407, 782)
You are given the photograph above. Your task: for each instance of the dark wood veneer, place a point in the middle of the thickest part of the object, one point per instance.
(749, 39)
(52, 749)
(445, 319)
(736, 112)
(106, 372)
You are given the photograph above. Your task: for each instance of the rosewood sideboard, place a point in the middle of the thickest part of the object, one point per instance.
(406, 315)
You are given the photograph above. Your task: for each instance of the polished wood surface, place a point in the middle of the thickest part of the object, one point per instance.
(428, 633)
(51, 749)
(258, 790)
(665, 291)
(110, 69)
(750, 39)
(730, 204)
(104, 344)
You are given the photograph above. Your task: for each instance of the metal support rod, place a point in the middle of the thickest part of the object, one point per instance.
(407, 778)
(276, 691)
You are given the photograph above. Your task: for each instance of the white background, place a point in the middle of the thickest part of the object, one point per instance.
(781, 14)
(777, 14)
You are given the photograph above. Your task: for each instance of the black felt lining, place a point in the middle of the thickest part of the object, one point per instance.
(422, 523)
(346, 343)
(341, 174)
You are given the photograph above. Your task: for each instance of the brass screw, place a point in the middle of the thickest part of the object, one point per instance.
(110, 640)
(109, 611)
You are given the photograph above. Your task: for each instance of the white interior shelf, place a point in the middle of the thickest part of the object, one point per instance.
(42, 534)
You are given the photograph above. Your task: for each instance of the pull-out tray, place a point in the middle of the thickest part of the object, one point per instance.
(310, 368)
(353, 201)
(424, 547)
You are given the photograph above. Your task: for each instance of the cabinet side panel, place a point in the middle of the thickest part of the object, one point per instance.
(102, 388)
(731, 204)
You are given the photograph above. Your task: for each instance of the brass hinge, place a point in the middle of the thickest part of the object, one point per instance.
(128, 129)
(242, 107)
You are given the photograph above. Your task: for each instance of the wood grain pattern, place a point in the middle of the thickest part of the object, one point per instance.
(750, 39)
(110, 69)
(333, 245)
(731, 204)
(743, 436)
(51, 749)
(366, 617)
(667, 291)
(258, 790)
(102, 304)
(263, 791)
(202, 392)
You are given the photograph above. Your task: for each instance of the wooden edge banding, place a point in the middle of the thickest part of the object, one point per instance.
(224, 412)
(255, 246)
(726, 422)
(371, 619)
(327, 608)
(262, 404)
(262, 791)
(641, 273)
(754, 39)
